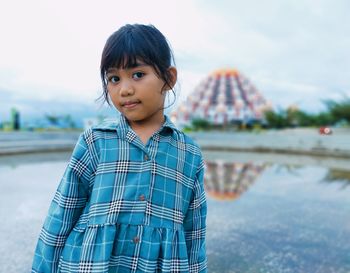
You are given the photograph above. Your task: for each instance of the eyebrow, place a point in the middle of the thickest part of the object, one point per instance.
(112, 69)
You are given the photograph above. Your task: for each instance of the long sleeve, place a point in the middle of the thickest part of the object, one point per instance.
(195, 225)
(64, 211)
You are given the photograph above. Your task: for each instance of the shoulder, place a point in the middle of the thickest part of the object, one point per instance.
(106, 126)
(195, 149)
(96, 135)
(190, 145)
(180, 136)
(191, 142)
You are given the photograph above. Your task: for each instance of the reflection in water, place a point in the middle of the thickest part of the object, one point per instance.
(335, 176)
(228, 180)
(291, 169)
(289, 221)
(338, 176)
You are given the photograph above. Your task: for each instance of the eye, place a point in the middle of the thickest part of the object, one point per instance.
(113, 79)
(138, 75)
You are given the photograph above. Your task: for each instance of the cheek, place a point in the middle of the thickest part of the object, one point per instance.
(113, 96)
(112, 93)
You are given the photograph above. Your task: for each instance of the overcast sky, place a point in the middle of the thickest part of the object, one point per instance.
(294, 52)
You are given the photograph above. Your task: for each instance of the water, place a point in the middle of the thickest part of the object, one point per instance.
(289, 219)
(264, 213)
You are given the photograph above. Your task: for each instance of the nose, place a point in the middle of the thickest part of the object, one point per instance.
(126, 88)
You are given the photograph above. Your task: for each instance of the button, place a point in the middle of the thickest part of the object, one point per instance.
(146, 157)
(142, 197)
(136, 240)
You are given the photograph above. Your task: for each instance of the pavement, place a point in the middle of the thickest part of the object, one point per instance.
(290, 141)
(12, 143)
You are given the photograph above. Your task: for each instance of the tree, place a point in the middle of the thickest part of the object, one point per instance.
(69, 121)
(276, 120)
(54, 120)
(200, 124)
(339, 110)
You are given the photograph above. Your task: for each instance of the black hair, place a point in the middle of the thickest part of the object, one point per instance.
(132, 43)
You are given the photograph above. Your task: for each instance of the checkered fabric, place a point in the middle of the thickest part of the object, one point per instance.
(123, 206)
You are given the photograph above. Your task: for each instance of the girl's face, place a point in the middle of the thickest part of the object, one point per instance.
(138, 93)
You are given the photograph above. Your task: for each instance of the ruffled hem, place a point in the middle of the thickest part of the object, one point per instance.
(124, 248)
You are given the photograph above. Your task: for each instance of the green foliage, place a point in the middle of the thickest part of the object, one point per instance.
(54, 120)
(276, 120)
(69, 121)
(303, 119)
(200, 124)
(187, 129)
(339, 110)
(324, 118)
(297, 118)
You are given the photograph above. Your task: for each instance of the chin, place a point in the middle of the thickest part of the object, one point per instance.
(134, 118)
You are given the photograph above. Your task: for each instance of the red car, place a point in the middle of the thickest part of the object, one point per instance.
(324, 130)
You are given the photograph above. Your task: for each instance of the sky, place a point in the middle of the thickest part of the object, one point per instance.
(294, 52)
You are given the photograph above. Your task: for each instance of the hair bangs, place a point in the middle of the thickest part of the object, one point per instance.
(126, 54)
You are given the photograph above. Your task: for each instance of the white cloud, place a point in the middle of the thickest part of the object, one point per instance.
(51, 50)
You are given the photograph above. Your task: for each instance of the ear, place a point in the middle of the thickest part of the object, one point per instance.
(173, 72)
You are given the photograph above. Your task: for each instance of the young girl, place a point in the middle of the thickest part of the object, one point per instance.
(132, 197)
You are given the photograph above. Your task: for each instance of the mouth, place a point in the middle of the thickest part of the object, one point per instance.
(130, 104)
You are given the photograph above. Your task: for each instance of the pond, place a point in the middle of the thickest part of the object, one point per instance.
(266, 213)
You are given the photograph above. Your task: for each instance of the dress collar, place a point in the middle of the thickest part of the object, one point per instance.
(124, 126)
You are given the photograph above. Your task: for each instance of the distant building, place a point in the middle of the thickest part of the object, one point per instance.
(15, 119)
(223, 97)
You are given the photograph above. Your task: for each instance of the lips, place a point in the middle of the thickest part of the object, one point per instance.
(130, 103)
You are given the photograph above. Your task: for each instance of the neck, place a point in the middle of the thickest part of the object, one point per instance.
(146, 129)
(147, 125)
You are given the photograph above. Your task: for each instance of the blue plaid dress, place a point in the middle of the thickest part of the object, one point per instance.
(123, 206)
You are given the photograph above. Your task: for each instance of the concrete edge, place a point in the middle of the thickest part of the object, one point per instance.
(313, 152)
